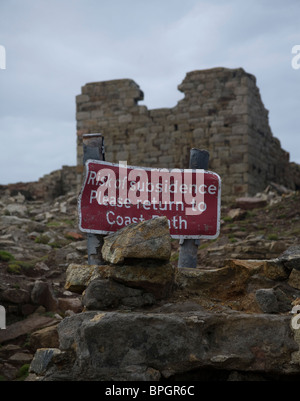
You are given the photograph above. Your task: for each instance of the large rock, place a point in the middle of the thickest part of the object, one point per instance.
(237, 283)
(150, 345)
(19, 296)
(148, 239)
(217, 283)
(108, 294)
(272, 269)
(157, 279)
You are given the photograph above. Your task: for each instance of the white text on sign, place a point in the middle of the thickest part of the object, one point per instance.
(116, 195)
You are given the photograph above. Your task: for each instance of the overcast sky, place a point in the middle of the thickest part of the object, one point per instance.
(55, 47)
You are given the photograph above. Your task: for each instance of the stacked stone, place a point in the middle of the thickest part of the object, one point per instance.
(68, 179)
(221, 111)
(146, 321)
(137, 271)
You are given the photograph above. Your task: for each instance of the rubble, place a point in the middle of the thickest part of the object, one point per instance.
(37, 240)
(46, 285)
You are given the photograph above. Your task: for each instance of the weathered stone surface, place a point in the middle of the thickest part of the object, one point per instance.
(42, 359)
(79, 276)
(236, 284)
(236, 214)
(249, 203)
(15, 295)
(145, 240)
(43, 294)
(108, 294)
(157, 279)
(21, 358)
(280, 189)
(294, 279)
(46, 337)
(154, 277)
(229, 280)
(118, 346)
(291, 257)
(253, 266)
(26, 326)
(15, 209)
(284, 297)
(267, 300)
(274, 269)
(48, 187)
(73, 304)
(41, 244)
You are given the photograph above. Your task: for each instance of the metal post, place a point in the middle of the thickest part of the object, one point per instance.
(188, 247)
(93, 148)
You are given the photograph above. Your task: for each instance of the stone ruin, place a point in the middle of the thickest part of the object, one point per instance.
(222, 111)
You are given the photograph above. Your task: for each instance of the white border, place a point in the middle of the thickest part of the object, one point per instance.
(90, 231)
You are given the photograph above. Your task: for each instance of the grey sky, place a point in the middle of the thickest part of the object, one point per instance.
(55, 47)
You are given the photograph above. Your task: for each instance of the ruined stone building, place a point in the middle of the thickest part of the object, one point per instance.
(221, 111)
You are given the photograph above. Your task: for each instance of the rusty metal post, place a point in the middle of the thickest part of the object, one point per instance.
(93, 149)
(188, 247)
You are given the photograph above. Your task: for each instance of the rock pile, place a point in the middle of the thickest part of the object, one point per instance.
(149, 321)
(138, 273)
(142, 318)
(38, 240)
(261, 227)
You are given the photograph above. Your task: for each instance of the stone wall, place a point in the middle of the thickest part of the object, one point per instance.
(48, 187)
(221, 111)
